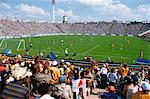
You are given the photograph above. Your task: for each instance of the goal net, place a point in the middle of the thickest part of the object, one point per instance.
(13, 44)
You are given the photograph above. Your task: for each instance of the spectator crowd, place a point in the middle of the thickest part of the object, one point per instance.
(45, 79)
(18, 28)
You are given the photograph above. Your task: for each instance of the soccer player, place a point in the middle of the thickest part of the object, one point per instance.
(66, 52)
(30, 45)
(27, 51)
(73, 56)
(121, 47)
(62, 42)
(113, 45)
(141, 54)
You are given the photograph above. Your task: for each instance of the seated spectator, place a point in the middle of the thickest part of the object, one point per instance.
(44, 91)
(2, 68)
(134, 89)
(111, 94)
(144, 94)
(20, 86)
(15, 91)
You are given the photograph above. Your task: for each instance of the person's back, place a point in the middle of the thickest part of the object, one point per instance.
(125, 71)
(135, 88)
(76, 84)
(132, 91)
(44, 91)
(141, 95)
(55, 73)
(145, 94)
(113, 77)
(104, 70)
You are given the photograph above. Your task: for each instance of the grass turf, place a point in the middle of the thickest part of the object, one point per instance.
(99, 47)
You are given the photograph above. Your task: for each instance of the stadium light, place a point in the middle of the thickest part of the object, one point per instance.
(53, 11)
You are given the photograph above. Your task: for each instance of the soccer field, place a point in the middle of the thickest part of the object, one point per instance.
(126, 49)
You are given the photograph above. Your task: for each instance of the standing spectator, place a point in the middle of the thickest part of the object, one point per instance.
(104, 72)
(124, 70)
(89, 80)
(84, 86)
(113, 77)
(76, 83)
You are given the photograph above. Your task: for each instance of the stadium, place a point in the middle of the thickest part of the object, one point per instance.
(73, 60)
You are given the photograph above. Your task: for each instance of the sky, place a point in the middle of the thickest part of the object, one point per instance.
(76, 10)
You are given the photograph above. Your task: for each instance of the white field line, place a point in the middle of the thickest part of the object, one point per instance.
(90, 49)
(84, 53)
(81, 54)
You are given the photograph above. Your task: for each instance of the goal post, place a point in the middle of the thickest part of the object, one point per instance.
(3, 44)
(13, 44)
(22, 41)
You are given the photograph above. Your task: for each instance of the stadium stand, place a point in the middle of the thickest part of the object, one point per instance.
(145, 35)
(15, 28)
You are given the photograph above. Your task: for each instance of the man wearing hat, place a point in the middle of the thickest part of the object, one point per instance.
(145, 94)
(19, 88)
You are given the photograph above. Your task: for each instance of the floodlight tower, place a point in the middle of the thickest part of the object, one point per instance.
(53, 11)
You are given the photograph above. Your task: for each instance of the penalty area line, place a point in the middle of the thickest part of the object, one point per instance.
(90, 49)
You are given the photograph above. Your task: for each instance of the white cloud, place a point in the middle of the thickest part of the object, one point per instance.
(68, 13)
(118, 9)
(108, 6)
(144, 9)
(95, 2)
(4, 5)
(30, 9)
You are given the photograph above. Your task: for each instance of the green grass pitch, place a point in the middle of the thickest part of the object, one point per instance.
(126, 49)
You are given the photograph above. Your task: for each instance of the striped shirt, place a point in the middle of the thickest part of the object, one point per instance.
(14, 91)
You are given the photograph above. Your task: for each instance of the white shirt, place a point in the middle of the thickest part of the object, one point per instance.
(75, 87)
(84, 87)
(132, 91)
(113, 77)
(46, 96)
(104, 70)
